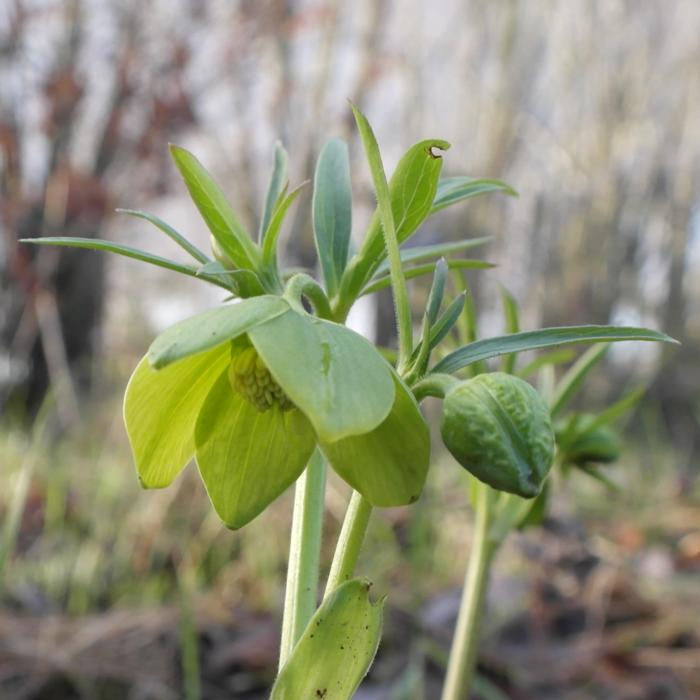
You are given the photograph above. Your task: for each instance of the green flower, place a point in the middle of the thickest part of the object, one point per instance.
(251, 388)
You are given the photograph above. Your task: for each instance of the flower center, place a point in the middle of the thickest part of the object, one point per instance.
(252, 379)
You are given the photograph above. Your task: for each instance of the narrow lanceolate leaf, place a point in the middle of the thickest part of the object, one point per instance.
(332, 211)
(126, 251)
(388, 465)
(160, 411)
(215, 210)
(273, 231)
(512, 317)
(335, 376)
(412, 190)
(337, 648)
(169, 231)
(211, 328)
(390, 238)
(431, 252)
(381, 282)
(572, 381)
(451, 190)
(247, 457)
(278, 178)
(543, 338)
(437, 291)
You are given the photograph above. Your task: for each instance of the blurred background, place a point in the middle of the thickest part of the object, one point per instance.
(591, 110)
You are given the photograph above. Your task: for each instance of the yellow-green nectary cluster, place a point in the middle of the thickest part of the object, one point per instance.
(251, 378)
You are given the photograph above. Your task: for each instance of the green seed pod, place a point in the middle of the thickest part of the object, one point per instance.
(498, 428)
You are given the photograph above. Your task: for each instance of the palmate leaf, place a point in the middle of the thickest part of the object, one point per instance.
(335, 376)
(169, 231)
(278, 178)
(126, 251)
(332, 211)
(451, 190)
(388, 465)
(246, 457)
(543, 338)
(160, 411)
(215, 210)
(337, 647)
(212, 328)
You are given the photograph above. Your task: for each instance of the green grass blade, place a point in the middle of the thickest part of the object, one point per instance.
(544, 338)
(456, 189)
(169, 231)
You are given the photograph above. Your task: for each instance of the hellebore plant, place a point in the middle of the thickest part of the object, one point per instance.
(270, 387)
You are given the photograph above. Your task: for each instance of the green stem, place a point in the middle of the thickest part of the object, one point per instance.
(302, 284)
(304, 554)
(347, 549)
(386, 216)
(435, 385)
(460, 669)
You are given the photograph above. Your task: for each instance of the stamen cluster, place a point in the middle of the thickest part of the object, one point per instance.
(251, 378)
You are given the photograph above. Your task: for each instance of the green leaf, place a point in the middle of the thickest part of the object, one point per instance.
(337, 647)
(278, 178)
(160, 411)
(169, 231)
(126, 251)
(451, 190)
(556, 357)
(511, 313)
(430, 252)
(332, 211)
(273, 231)
(378, 283)
(446, 322)
(245, 283)
(412, 190)
(215, 210)
(388, 465)
(212, 327)
(335, 376)
(572, 381)
(246, 457)
(543, 338)
(437, 291)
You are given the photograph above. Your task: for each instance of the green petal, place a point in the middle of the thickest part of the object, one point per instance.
(335, 376)
(246, 457)
(211, 328)
(388, 466)
(160, 410)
